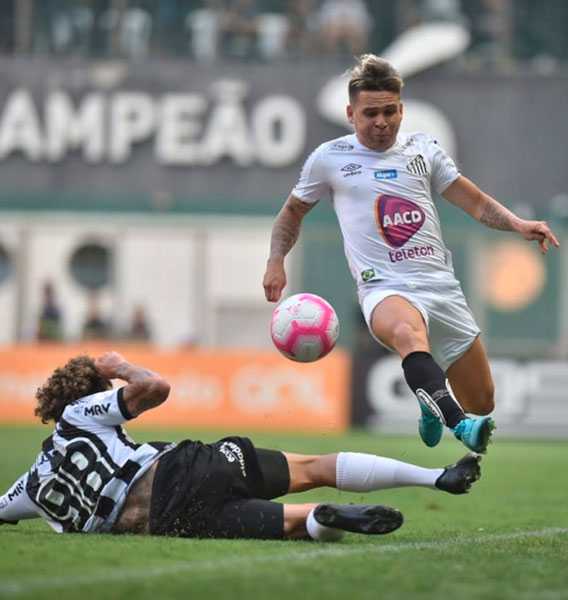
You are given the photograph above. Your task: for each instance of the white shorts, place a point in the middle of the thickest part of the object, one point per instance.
(451, 326)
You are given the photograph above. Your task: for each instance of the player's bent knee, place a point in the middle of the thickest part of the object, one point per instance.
(405, 337)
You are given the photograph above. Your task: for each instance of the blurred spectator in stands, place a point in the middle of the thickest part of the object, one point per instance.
(128, 29)
(239, 28)
(204, 26)
(98, 40)
(302, 28)
(168, 35)
(490, 25)
(440, 10)
(139, 329)
(7, 26)
(541, 32)
(344, 26)
(416, 12)
(272, 33)
(95, 327)
(50, 325)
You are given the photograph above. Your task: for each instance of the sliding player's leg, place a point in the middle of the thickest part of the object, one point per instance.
(360, 472)
(253, 518)
(328, 522)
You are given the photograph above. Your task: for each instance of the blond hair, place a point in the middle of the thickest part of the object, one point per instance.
(373, 73)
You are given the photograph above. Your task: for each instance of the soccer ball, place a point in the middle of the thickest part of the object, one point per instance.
(304, 327)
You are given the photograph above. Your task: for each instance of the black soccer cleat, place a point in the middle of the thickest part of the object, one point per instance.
(359, 518)
(457, 479)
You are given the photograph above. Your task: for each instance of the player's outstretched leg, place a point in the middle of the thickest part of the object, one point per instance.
(428, 382)
(358, 472)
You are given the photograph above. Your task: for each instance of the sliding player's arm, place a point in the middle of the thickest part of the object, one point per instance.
(285, 232)
(144, 390)
(16, 505)
(484, 208)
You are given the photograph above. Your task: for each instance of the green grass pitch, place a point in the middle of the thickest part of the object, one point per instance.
(506, 539)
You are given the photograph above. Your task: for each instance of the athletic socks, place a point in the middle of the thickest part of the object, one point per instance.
(358, 472)
(320, 532)
(428, 382)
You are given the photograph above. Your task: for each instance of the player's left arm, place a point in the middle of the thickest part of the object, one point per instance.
(16, 505)
(484, 208)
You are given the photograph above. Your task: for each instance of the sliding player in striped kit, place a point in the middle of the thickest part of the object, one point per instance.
(381, 184)
(91, 477)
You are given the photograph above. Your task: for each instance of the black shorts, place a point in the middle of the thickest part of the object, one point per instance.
(219, 490)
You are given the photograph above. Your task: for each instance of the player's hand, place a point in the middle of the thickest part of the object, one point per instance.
(274, 279)
(108, 364)
(539, 231)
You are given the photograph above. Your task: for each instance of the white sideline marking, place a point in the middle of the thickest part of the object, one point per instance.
(16, 587)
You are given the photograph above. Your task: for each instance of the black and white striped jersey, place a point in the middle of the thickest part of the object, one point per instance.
(82, 476)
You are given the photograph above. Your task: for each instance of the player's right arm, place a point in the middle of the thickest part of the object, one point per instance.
(285, 232)
(144, 390)
(311, 186)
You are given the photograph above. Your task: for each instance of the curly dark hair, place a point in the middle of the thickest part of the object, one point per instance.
(78, 378)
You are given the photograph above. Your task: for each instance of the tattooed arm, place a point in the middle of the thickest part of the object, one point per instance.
(483, 207)
(144, 389)
(285, 232)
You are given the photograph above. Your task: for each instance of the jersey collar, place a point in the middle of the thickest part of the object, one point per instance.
(396, 146)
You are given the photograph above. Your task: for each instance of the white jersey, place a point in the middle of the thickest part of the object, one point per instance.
(81, 478)
(383, 201)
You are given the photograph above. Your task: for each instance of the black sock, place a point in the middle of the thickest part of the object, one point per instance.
(428, 382)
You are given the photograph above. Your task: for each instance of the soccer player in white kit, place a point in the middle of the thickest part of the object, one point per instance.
(381, 183)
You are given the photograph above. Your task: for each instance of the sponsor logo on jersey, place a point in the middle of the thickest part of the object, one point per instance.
(398, 219)
(351, 169)
(417, 165)
(233, 453)
(97, 410)
(16, 492)
(386, 174)
(411, 253)
(342, 146)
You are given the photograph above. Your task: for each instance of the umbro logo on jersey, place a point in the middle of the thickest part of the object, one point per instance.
(351, 169)
(417, 165)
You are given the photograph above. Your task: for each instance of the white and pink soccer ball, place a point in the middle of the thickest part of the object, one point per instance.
(304, 327)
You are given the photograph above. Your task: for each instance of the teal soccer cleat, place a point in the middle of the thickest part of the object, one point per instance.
(430, 427)
(475, 433)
